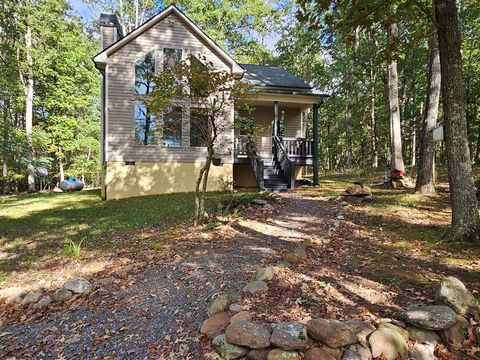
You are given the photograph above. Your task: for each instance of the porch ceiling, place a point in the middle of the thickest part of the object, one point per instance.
(285, 100)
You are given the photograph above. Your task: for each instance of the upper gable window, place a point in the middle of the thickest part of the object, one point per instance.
(171, 57)
(144, 72)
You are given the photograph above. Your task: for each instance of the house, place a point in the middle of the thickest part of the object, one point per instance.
(139, 159)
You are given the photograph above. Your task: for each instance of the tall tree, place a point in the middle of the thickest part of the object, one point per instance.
(465, 219)
(27, 81)
(395, 121)
(425, 173)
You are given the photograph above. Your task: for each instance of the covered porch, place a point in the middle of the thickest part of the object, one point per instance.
(287, 135)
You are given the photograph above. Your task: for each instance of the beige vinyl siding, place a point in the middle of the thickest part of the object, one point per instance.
(108, 36)
(263, 116)
(169, 33)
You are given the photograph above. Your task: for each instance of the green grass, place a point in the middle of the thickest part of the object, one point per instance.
(38, 227)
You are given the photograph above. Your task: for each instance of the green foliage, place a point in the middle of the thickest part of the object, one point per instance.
(73, 248)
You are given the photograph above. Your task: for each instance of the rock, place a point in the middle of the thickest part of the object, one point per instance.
(31, 298)
(78, 286)
(220, 304)
(226, 350)
(258, 354)
(241, 316)
(254, 287)
(453, 293)
(289, 335)
(344, 203)
(43, 302)
(336, 352)
(317, 353)
(340, 217)
(423, 352)
(308, 242)
(422, 335)
(278, 354)
(125, 270)
(292, 258)
(300, 252)
(284, 283)
(388, 342)
(361, 330)
(331, 332)
(235, 308)
(283, 264)
(357, 189)
(456, 334)
(213, 326)
(431, 317)
(246, 333)
(266, 274)
(105, 281)
(13, 295)
(62, 295)
(357, 352)
(401, 331)
(260, 202)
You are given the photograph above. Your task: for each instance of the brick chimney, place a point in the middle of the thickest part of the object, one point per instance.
(110, 29)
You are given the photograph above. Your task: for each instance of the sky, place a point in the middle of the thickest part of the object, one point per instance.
(91, 12)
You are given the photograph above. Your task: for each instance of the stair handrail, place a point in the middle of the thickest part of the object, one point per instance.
(280, 153)
(256, 162)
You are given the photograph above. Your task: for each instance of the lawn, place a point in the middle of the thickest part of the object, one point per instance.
(37, 230)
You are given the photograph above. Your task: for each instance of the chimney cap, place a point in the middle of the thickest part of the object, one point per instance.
(111, 20)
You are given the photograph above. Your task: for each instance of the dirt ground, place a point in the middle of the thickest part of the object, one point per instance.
(381, 258)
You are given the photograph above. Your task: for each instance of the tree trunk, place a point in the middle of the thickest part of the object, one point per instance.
(6, 120)
(349, 109)
(425, 182)
(62, 173)
(29, 103)
(373, 120)
(465, 219)
(395, 124)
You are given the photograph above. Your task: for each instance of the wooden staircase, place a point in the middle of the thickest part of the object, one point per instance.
(274, 178)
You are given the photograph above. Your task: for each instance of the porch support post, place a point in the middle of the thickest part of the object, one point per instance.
(315, 144)
(276, 124)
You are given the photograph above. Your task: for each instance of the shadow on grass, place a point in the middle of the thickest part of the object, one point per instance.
(35, 227)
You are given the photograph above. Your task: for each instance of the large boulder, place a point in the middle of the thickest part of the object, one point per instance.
(453, 293)
(388, 342)
(44, 302)
(331, 332)
(241, 316)
(317, 353)
(361, 330)
(431, 317)
(31, 298)
(289, 335)
(423, 351)
(12, 295)
(403, 332)
(214, 326)
(246, 333)
(220, 304)
(226, 350)
(278, 354)
(456, 334)
(422, 335)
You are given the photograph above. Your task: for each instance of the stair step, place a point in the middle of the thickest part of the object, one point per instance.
(274, 176)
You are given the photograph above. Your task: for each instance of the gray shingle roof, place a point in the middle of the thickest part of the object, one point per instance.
(261, 75)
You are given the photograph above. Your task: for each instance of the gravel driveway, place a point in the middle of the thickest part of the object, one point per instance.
(158, 308)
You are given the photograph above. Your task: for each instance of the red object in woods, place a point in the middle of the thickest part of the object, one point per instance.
(396, 174)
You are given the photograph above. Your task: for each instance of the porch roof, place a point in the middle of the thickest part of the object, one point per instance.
(273, 76)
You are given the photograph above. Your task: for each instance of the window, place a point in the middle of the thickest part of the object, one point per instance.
(199, 80)
(171, 57)
(172, 127)
(144, 71)
(144, 125)
(198, 128)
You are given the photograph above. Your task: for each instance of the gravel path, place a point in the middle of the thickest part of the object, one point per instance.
(158, 309)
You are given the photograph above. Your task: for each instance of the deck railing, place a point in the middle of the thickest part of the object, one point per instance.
(298, 147)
